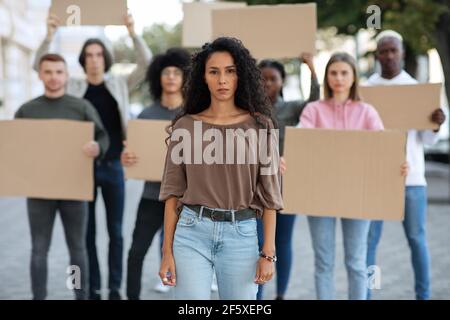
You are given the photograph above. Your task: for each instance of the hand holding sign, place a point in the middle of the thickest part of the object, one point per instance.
(129, 23)
(53, 22)
(307, 58)
(91, 149)
(128, 158)
(438, 117)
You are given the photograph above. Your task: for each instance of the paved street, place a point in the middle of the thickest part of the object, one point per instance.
(394, 257)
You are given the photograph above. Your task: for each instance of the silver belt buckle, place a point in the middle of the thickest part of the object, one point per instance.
(212, 214)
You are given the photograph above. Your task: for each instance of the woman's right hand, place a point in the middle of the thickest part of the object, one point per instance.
(167, 270)
(53, 23)
(128, 158)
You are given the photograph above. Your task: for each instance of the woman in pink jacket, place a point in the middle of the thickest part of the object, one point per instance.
(342, 109)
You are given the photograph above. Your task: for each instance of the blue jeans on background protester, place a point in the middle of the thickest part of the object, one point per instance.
(354, 232)
(202, 245)
(414, 225)
(109, 177)
(283, 248)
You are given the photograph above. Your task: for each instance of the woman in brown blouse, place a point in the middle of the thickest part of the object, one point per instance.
(221, 173)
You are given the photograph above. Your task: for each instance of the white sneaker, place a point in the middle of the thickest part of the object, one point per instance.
(161, 288)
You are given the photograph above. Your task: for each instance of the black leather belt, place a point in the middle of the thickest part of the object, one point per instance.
(224, 215)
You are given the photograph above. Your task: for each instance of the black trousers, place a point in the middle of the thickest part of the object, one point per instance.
(150, 218)
(74, 217)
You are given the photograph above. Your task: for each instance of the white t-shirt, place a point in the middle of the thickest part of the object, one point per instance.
(416, 139)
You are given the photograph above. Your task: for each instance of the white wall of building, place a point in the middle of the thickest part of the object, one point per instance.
(22, 25)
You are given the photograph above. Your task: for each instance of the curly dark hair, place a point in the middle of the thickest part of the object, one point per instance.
(250, 94)
(174, 57)
(274, 64)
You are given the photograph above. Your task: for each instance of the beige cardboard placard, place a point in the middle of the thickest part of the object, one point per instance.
(404, 106)
(279, 31)
(90, 12)
(147, 139)
(197, 21)
(44, 159)
(350, 174)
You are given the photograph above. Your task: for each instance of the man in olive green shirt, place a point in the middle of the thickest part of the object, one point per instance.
(55, 104)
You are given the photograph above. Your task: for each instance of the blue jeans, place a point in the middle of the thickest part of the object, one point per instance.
(414, 225)
(201, 246)
(355, 250)
(109, 178)
(283, 247)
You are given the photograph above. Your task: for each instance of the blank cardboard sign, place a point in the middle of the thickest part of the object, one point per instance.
(197, 21)
(147, 139)
(405, 106)
(349, 174)
(44, 159)
(89, 12)
(278, 31)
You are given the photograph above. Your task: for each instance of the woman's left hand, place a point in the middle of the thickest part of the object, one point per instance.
(264, 271)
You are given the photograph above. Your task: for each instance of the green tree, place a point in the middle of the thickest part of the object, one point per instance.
(159, 37)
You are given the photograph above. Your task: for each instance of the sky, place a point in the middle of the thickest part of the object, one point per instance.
(148, 12)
